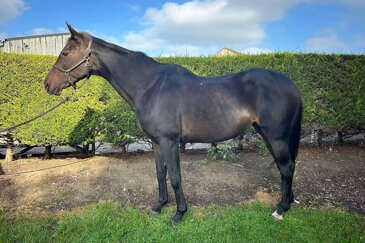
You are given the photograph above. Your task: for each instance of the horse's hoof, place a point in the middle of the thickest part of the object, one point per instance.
(154, 213)
(176, 220)
(174, 223)
(276, 216)
(296, 201)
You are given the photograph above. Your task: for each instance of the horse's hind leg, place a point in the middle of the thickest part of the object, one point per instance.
(286, 166)
(279, 148)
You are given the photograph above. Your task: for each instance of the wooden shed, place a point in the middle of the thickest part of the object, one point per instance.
(227, 52)
(51, 44)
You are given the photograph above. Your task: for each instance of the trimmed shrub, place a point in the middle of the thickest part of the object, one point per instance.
(118, 124)
(23, 97)
(332, 87)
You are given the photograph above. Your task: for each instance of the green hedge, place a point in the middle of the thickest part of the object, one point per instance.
(332, 86)
(79, 121)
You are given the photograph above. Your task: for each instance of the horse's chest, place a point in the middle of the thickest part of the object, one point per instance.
(158, 121)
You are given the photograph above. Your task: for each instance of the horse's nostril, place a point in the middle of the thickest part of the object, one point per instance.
(46, 86)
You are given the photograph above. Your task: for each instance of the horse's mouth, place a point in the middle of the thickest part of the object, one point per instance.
(57, 91)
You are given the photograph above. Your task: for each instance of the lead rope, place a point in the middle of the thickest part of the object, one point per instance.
(68, 73)
(43, 113)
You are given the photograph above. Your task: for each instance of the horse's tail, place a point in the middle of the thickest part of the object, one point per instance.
(295, 134)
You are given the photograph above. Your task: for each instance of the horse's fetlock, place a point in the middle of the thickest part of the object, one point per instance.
(283, 207)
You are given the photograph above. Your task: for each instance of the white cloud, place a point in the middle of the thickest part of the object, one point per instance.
(108, 38)
(359, 41)
(256, 50)
(10, 9)
(62, 30)
(45, 31)
(324, 41)
(181, 50)
(205, 25)
(357, 4)
(3, 35)
(41, 31)
(133, 6)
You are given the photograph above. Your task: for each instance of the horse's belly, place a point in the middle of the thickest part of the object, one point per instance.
(215, 127)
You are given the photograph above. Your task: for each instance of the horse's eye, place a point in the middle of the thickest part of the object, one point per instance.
(65, 53)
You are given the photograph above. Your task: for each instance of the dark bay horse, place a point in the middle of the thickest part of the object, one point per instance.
(174, 105)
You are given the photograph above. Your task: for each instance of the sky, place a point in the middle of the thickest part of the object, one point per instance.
(198, 27)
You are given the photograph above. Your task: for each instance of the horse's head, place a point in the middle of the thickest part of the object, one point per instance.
(72, 64)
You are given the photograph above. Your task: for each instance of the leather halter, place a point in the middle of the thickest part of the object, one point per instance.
(85, 60)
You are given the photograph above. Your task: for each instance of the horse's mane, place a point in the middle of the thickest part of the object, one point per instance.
(115, 47)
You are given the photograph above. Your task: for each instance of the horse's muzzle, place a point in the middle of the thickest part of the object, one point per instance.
(56, 91)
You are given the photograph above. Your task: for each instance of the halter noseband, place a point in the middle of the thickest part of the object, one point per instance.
(84, 60)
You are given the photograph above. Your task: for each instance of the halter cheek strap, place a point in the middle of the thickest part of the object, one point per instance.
(84, 60)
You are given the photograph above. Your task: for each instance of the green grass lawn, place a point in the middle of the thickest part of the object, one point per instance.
(109, 222)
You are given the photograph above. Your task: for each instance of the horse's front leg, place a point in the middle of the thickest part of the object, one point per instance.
(161, 178)
(170, 152)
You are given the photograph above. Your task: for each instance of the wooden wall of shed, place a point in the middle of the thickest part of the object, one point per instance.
(51, 44)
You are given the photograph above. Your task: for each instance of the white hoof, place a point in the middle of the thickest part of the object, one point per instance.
(296, 201)
(154, 213)
(277, 217)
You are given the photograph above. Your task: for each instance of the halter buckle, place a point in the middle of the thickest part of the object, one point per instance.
(87, 64)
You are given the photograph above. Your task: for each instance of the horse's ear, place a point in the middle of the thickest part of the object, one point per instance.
(73, 32)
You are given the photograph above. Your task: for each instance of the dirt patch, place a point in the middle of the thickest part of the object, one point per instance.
(323, 178)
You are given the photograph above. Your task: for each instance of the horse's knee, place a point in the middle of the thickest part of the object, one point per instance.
(287, 176)
(175, 182)
(161, 175)
(286, 168)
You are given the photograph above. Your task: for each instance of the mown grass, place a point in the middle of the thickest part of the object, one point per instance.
(109, 222)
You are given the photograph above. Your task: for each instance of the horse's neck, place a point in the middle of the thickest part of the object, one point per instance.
(129, 73)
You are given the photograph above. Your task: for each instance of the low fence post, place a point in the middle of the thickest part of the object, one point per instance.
(240, 142)
(48, 152)
(182, 147)
(319, 138)
(9, 156)
(2, 172)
